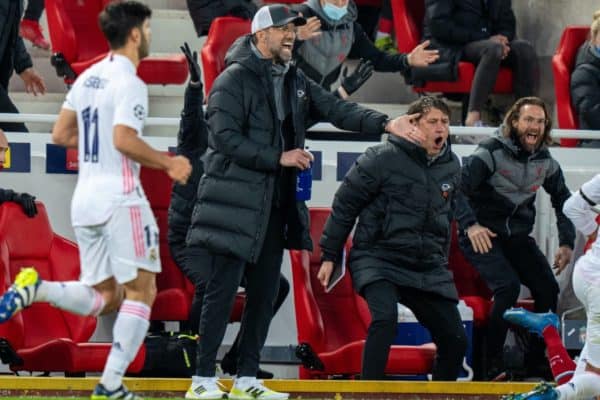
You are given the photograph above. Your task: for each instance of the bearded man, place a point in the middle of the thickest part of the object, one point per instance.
(496, 216)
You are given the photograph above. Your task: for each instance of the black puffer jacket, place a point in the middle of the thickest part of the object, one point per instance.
(235, 195)
(12, 49)
(500, 181)
(404, 205)
(203, 12)
(585, 87)
(451, 24)
(192, 141)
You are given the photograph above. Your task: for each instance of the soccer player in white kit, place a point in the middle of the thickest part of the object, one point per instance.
(103, 116)
(585, 383)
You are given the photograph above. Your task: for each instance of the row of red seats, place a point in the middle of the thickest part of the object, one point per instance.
(408, 21)
(47, 339)
(77, 43)
(75, 35)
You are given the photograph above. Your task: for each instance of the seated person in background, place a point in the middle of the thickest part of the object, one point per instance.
(26, 201)
(496, 216)
(203, 12)
(585, 383)
(585, 83)
(481, 32)
(320, 54)
(192, 141)
(402, 194)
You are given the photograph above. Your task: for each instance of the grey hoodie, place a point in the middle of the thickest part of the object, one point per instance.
(327, 51)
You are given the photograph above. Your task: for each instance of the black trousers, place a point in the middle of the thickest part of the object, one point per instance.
(262, 285)
(511, 262)
(487, 55)
(192, 262)
(438, 314)
(6, 104)
(34, 10)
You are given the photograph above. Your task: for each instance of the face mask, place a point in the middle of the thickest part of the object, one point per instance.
(597, 49)
(333, 12)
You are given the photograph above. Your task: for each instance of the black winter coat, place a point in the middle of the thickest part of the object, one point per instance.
(235, 195)
(404, 208)
(585, 88)
(192, 141)
(451, 24)
(11, 44)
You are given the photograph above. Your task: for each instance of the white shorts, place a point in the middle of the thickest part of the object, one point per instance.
(586, 285)
(128, 241)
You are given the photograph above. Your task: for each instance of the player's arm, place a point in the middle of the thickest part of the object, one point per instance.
(65, 132)
(127, 142)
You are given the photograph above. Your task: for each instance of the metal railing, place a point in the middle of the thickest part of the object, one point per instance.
(320, 127)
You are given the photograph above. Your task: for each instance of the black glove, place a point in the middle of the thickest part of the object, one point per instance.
(360, 75)
(192, 59)
(27, 203)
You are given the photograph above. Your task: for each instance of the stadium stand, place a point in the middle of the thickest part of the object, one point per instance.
(408, 27)
(334, 325)
(77, 43)
(42, 337)
(563, 63)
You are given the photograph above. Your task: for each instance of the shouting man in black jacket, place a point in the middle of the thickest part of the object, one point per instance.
(192, 142)
(499, 182)
(402, 194)
(246, 212)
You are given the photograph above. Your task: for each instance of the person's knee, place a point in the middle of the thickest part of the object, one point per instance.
(493, 51)
(523, 49)
(384, 318)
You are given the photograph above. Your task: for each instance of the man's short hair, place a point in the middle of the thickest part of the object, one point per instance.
(424, 104)
(119, 18)
(515, 111)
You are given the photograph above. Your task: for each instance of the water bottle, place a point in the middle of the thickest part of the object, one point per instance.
(304, 184)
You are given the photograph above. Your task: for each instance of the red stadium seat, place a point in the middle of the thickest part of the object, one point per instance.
(221, 35)
(335, 324)
(408, 26)
(469, 284)
(563, 63)
(175, 292)
(46, 338)
(74, 33)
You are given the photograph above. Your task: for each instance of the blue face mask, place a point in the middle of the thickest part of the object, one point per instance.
(335, 13)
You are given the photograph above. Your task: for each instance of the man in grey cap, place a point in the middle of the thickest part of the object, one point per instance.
(247, 212)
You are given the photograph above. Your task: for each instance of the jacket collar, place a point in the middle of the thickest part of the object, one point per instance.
(417, 152)
(513, 146)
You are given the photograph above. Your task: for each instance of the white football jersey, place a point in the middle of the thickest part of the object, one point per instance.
(108, 93)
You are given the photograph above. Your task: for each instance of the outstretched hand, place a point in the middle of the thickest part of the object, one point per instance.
(421, 57)
(192, 59)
